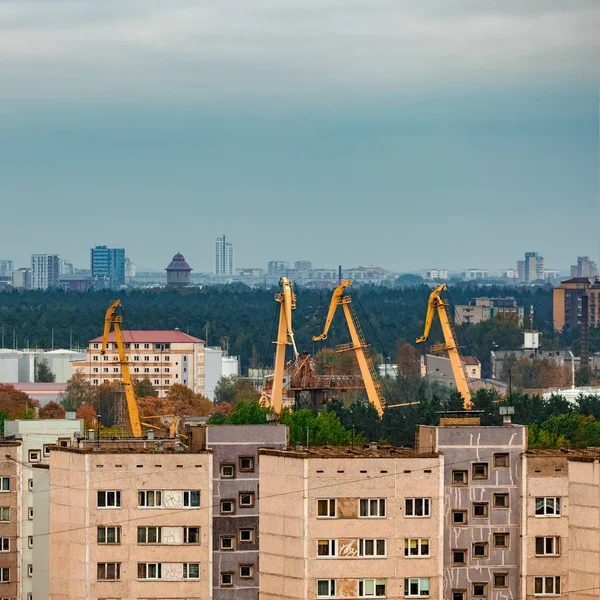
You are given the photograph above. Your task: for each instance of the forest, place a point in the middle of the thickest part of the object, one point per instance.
(243, 319)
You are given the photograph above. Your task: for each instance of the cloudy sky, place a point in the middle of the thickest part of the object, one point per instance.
(406, 134)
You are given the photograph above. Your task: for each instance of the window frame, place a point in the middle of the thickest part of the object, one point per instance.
(408, 583)
(2, 511)
(379, 503)
(362, 542)
(186, 535)
(465, 514)
(462, 551)
(251, 573)
(189, 496)
(147, 565)
(186, 571)
(146, 528)
(543, 579)
(495, 586)
(498, 455)
(486, 548)
(251, 531)
(243, 469)
(557, 507)
(156, 499)
(496, 495)
(107, 506)
(330, 588)
(4, 488)
(251, 503)
(465, 475)
(225, 574)
(106, 528)
(117, 567)
(419, 546)
(330, 544)
(484, 586)
(4, 574)
(486, 506)
(331, 502)
(505, 546)
(224, 466)
(486, 467)
(229, 537)
(376, 582)
(230, 501)
(545, 538)
(426, 513)
(4, 544)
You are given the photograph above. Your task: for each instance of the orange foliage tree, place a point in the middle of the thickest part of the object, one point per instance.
(52, 410)
(88, 414)
(14, 403)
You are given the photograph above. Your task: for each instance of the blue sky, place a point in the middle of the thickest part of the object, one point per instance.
(409, 135)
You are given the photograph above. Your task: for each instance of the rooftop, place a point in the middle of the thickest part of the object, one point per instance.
(570, 453)
(152, 336)
(178, 264)
(365, 451)
(129, 446)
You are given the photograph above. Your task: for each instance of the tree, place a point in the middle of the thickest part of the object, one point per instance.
(183, 402)
(78, 391)
(88, 414)
(143, 388)
(235, 389)
(15, 404)
(408, 360)
(52, 410)
(43, 374)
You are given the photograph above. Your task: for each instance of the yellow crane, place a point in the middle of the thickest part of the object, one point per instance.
(114, 319)
(436, 302)
(285, 337)
(358, 345)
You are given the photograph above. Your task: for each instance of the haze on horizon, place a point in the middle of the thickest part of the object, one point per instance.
(391, 132)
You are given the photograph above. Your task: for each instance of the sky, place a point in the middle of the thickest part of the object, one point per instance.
(411, 135)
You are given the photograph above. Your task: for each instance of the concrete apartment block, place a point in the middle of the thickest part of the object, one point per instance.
(236, 505)
(129, 520)
(10, 518)
(561, 516)
(348, 523)
(482, 508)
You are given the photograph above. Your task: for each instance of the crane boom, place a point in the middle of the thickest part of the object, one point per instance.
(436, 302)
(358, 345)
(285, 337)
(112, 318)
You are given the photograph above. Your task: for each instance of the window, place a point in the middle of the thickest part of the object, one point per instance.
(46, 449)
(191, 535)
(149, 499)
(459, 517)
(546, 586)
(146, 358)
(4, 544)
(149, 570)
(115, 369)
(191, 498)
(227, 471)
(501, 460)
(156, 358)
(547, 507)
(480, 550)
(501, 501)
(416, 587)
(246, 536)
(501, 540)
(480, 510)
(325, 588)
(4, 575)
(29, 570)
(326, 548)
(109, 535)
(371, 588)
(227, 507)
(30, 513)
(500, 580)
(416, 547)
(30, 541)
(372, 507)
(146, 346)
(246, 571)
(157, 369)
(95, 369)
(371, 547)
(136, 359)
(191, 570)
(167, 382)
(459, 557)
(149, 535)
(109, 571)
(479, 590)
(246, 499)
(547, 546)
(247, 463)
(480, 470)
(95, 358)
(458, 595)
(156, 382)
(5, 514)
(34, 456)
(226, 579)
(460, 477)
(227, 542)
(326, 509)
(109, 499)
(136, 346)
(417, 507)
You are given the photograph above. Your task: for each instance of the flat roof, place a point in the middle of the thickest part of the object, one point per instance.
(129, 446)
(349, 452)
(570, 453)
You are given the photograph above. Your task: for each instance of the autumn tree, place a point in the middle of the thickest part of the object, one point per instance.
(408, 360)
(43, 374)
(143, 388)
(88, 414)
(15, 404)
(344, 362)
(235, 389)
(78, 391)
(185, 403)
(52, 410)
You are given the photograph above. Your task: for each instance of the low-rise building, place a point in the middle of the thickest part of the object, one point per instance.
(435, 274)
(482, 309)
(164, 357)
(350, 523)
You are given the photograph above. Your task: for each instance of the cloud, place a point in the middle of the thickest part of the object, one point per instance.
(205, 49)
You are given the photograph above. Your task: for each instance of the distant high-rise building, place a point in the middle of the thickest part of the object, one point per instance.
(21, 279)
(65, 267)
(129, 269)
(277, 267)
(532, 268)
(45, 269)
(303, 266)
(584, 267)
(223, 257)
(108, 265)
(6, 267)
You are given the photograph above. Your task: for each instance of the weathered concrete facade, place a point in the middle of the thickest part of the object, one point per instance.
(129, 523)
(482, 498)
(235, 534)
(350, 523)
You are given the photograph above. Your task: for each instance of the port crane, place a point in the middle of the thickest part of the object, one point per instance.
(439, 304)
(112, 318)
(359, 345)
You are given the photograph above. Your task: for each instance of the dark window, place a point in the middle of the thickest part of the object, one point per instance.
(480, 550)
(247, 463)
(480, 509)
(460, 477)
(500, 580)
(480, 470)
(479, 589)
(501, 460)
(459, 517)
(459, 557)
(501, 501)
(501, 540)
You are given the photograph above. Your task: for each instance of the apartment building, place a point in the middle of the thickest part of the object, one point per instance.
(164, 357)
(45, 269)
(224, 257)
(482, 485)
(561, 524)
(129, 520)
(36, 437)
(350, 523)
(10, 518)
(236, 505)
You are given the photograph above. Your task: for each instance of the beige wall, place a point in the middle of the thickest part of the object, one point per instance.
(10, 466)
(290, 529)
(74, 518)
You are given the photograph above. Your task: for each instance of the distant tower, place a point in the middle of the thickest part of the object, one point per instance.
(179, 273)
(223, 257)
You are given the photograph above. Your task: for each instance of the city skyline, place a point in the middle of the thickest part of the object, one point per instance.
(455, 130)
